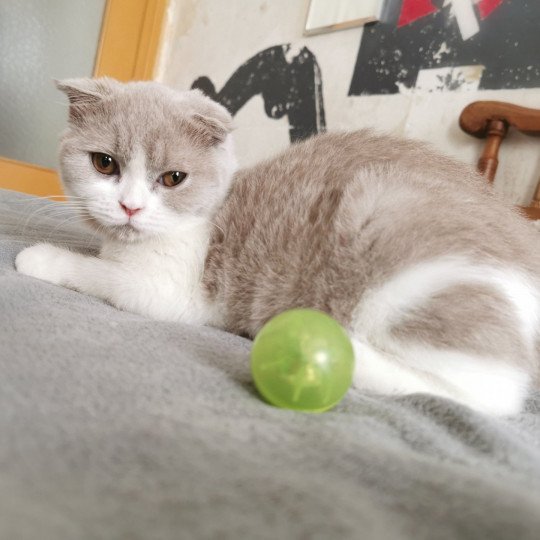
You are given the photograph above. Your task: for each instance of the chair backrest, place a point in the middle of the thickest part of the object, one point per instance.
(491, 120)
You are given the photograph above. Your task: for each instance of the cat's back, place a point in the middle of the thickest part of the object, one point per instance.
(317, 224)
(332, 158)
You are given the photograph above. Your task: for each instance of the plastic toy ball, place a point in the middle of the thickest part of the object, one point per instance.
(302, 359)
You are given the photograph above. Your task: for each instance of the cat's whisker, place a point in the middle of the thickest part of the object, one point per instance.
(66, 222)
(54, 211)
(46, 213)
(31, 216)
(54, 204)
(44, 197)
(98, 229)
(64, 209)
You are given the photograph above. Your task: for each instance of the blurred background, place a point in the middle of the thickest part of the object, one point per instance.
(55, 39)
(286, 69)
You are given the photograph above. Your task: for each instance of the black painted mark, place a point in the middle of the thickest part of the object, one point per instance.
(507, 45)
(289, 86)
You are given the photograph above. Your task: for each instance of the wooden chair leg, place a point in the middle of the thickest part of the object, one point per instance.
(488, 162)
(535, 203)
(491, 120)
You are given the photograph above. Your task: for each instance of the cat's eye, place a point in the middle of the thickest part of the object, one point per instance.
(172, 178)
(104, 163)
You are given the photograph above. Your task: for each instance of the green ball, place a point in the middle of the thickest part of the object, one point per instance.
(302, 359)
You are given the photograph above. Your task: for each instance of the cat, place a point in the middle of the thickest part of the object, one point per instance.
(433, 275)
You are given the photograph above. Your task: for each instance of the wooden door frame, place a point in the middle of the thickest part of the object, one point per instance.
(127, 50)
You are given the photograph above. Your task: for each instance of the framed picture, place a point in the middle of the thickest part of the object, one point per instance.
(331, 15)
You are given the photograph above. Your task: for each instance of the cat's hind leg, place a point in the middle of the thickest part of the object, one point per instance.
(481, 383)
(450, 328)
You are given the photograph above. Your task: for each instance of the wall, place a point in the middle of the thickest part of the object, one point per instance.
(213, 38)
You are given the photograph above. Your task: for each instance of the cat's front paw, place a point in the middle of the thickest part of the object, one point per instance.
(44, 261)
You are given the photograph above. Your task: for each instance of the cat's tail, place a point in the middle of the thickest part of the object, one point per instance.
(452, 328)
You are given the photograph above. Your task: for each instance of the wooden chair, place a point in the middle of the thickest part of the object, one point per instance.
(491, 120)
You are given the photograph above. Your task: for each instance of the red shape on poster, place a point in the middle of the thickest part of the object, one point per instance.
(486, 7)
(411, 10)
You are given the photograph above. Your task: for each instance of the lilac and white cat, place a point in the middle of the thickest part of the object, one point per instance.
(432, 274)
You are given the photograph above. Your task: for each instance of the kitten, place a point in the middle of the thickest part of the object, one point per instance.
(435, 278)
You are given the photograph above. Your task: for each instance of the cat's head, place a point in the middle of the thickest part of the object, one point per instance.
(143, 160)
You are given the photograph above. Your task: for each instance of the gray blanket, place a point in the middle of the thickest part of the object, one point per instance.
(115, 426)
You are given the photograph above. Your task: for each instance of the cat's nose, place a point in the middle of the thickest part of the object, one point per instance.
(129, 211)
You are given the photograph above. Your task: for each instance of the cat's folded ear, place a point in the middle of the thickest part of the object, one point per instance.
(212, 121)
(85, 93)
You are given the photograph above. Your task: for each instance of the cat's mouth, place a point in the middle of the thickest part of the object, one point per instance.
(127, 232)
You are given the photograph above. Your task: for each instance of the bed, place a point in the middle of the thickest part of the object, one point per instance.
(116, 426)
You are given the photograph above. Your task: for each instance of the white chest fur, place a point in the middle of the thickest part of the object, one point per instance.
(162, 278)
